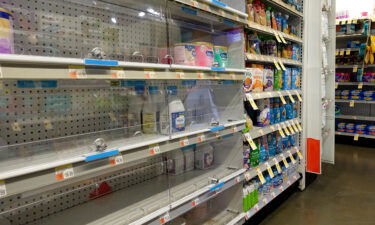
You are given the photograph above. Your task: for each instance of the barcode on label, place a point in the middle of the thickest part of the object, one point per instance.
(64, 172)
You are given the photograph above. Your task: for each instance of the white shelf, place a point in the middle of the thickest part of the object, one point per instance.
(353, 135)
(271, 59)
(241, 218)
(350, 36)
(270, 31)
(355, 101)
(273, 94)
(355, 83)
(261, 131)
(352, 117)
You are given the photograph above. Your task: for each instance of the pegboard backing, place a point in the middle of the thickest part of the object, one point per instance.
(20, 211)
(73, 28)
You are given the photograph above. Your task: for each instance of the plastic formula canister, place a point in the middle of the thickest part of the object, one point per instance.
(360, 128)
(6, 32)
(356, 95)
(345, 94)
(371, 129)
(205, 54)
(369, 95)
(185, 54)
(204, 156)
(221, 56)
(350, 127)
(341, 127)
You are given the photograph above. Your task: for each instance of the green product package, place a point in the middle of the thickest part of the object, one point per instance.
(249, 202)
(254, 157)
(277, 80)
(256, 196)
(244, 203)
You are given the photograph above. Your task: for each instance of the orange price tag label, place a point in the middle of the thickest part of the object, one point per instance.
(184, 142)
(64, 172)
(153, 150)
(116, 160)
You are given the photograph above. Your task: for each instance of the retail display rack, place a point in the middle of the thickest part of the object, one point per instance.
(132, 112)
(354, 80)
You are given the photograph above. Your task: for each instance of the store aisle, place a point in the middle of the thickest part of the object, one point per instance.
(343, 195)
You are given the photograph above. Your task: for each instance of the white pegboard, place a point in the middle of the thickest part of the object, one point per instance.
(72, 29)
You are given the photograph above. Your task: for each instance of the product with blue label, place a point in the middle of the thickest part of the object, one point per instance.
(285, 143)
(350, 127)
(271, 144)
(272, 111)
(368, 95)
(341, 127)
(282, 112)
(295, 110)
(371, 129)
(263, 149)
(292, 140)
(360, 128)
(287, 79)
(172, 119)
(263, 117)
(356, 95)
(295, 81)
(289, 111)
(345, 94)
(276, 110)
(279, 143)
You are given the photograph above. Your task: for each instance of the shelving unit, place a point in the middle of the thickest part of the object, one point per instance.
(105, 120)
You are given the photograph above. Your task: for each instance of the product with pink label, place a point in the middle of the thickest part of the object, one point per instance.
(185, 54)
(205, 54)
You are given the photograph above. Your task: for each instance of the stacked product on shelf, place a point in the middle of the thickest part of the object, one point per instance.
(355, 26)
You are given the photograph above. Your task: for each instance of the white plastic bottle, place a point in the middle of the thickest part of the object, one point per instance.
(175, 113)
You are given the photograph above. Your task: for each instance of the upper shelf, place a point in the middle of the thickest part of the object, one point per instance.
(267, 30)
(285, 7)
(350, 36)
(271, 59)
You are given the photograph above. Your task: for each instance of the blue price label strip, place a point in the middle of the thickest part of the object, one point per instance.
(216, 2)
(97, 62)
(101, 155)
(215, 129)
(219, 185)
(189, 11)
(217, 68)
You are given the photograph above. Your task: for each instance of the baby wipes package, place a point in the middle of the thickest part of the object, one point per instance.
(360, 128)
(371, 129)
(368, 95)
(350, 127)
(345, 94)
(356, 95)
(341, 127)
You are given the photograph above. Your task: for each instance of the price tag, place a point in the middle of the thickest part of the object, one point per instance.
(299, 153)
(338, 22)
(290, 127)
(277, 165)
(149, 73)
(237, 180)
(195, 202)
(281, 97)
(290, 96)
(277, 36)
(280, 131)
(356, 137)
(282, 39)
(286, 164)
(47, 124)
(282, 65)
(360, 85)
(343, 22)
(294, 126)
(261, 132)
(298, 96)
(64, 172)
(299, 126)
(281, 188)
(252, 102)
(206, 8)
(355, 68)
(164, 219)
(77, 72)
(337, 52)
(354, 21)
(247, 215)
(184, 142)
(273, 194)
(291, 157)
(286, 129)
(235, 129)
(256, 207)
(194, 3)
(276, 64)
(201, 138)
(222, 13)
(3, 189)
(265, 201)
(247, 176)
(251, 142)
(260, 176)
(347, 51)
(201, 74)
(351, 103)
(288, 182)
(270, 172)
(116, 160)
(336, 85)
(342, 52)
(153, 150)
(118, 72)
(180, 74)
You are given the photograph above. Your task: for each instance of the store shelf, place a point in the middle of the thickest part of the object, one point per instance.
(261, 131)
(348, 66)
(350, 36)
(273, 32)
(273, 94)
(240, 219)
(217, 8)
(346, 49)
(40, 67)
(271, 59)
(279, 4)
(355, 101)
(124, 207)
(352, 117)
(31, 173)
(353, 135)
(355, 83)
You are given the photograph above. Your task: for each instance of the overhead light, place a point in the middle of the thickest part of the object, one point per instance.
(152, 11)
(141, 14)
(114, 20)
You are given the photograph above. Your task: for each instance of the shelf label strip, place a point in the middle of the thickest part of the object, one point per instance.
(101, 155)
(98, 62)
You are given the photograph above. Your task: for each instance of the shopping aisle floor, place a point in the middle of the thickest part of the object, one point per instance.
(343, 195)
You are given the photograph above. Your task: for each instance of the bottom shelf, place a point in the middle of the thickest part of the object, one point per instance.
(355, 135)
(240, 219)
